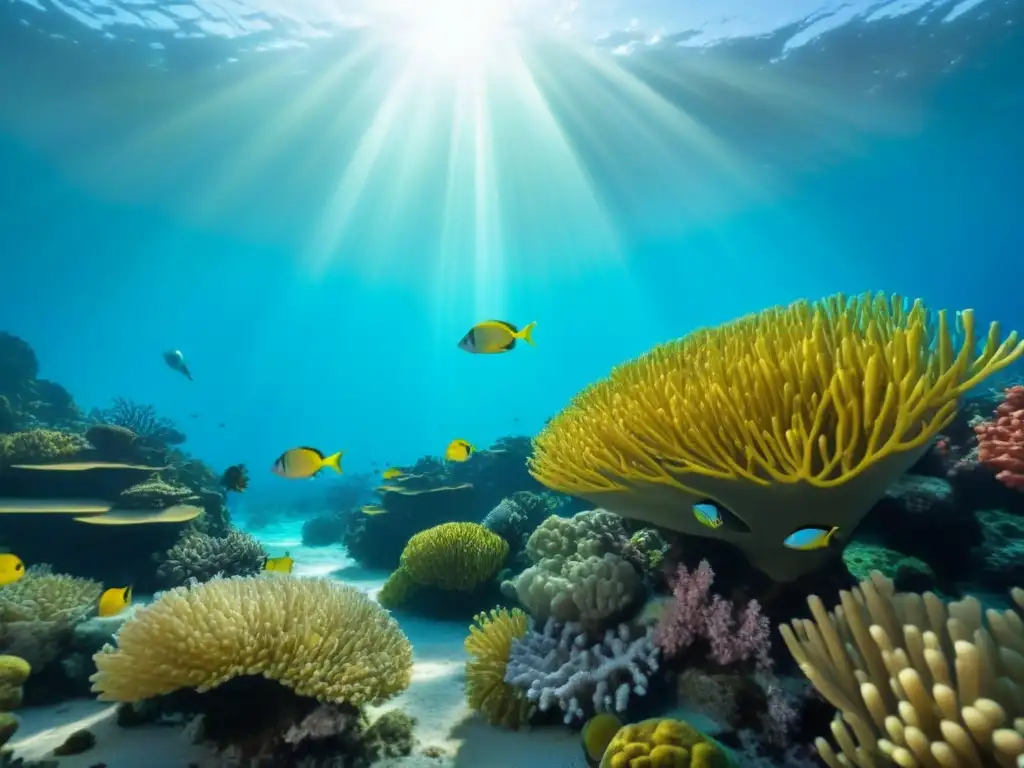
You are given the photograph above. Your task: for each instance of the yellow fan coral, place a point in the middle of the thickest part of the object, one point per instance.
(917, 682)
(489, 643)
(454, 556)
(796, 416)
(318, 637)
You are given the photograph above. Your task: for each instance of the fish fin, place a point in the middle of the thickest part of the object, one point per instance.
(527, 333)
(832, 532)
(308, 448)
(503, 323)
(334, 461)
(184, 369)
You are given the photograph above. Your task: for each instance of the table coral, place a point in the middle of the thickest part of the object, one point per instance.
(318, 637)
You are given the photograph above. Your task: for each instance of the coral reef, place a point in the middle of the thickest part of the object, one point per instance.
(328, 642)
(452, 557)
(701, 418)
(488, 645)
(39, 446)
(39, 612)
(916, 681)
(1001, 441)
(662, 743)
(14, 671)
(199, 556)
(907, 573)
(562, 666)
(578, 572)
(517, 516)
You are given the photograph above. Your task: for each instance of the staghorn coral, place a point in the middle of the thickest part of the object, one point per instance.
(917, 682)
(454, 556)
(563, 666)
(783, 418)
(39, 446)
(320, 638)
(199, 556)
(488, 645)
(155, 494)
(578, 573)
(39, 612)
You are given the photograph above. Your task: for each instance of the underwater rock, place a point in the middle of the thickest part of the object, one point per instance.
(1000, 556)
(920, 495)
(18, 364)
(95, 632)
(324, 530)
(907, 573)
(77, 743)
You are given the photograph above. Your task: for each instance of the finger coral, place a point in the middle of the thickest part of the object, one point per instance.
(199, 556)
(917, 682)
(488, 645)
(795, 416)
(318, 637)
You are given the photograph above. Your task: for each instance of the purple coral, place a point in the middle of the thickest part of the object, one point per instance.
(732, 634)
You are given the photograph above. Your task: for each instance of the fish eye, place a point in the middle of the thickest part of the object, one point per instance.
(19, 567)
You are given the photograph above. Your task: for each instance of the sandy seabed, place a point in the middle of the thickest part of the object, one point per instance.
(435, 698)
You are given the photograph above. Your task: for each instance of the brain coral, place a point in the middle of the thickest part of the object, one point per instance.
(795, 416)
(454, 556)
(319, 637)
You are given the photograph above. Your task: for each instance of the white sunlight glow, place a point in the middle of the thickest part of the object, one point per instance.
(453, 33)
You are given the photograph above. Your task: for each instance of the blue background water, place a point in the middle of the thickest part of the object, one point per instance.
(884, 154)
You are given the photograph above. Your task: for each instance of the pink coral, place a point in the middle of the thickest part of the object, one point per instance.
(733, 635)
(1001, 442)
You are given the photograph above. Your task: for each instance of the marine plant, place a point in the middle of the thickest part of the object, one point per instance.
(917, 682)
(488, 645)
(795, 416)
(317, 637)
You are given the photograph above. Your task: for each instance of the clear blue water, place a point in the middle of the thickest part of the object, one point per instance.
(316, 217)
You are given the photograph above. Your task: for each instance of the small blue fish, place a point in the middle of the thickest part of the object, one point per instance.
(810, 538)
(708, 514)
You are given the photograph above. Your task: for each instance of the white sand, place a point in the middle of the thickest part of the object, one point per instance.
(435, 698)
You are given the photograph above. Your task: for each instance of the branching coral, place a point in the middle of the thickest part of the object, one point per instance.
(39, 446)
(38, 613)
(199, 556)
(917, 682)
(140, 419)
(318, 637)
(488, 645)
(562, 666)
(796, 416)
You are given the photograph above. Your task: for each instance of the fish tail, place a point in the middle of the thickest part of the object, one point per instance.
(526, 334)
(334, 461)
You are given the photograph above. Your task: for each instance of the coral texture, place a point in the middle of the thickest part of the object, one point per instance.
(454, 556)
(318, 637)
(578, 572)
(155, 494)
(916, 681)
(39, 446)
(200, 556)
(562, 666)
(14, 671)
(781, 417)
(1001, 442)
(662, 743)
(488, 645)
(732, 634)
(39, 612)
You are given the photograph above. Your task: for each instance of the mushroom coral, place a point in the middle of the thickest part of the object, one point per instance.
(792, 417)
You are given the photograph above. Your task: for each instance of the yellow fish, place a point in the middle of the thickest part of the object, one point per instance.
(597, 734)
(373, 509)
(392, 473)
(492, 337)
(11, 568)
(305, 462)
(458, 450)
(279, 564)
(810, 538)
(115, 600)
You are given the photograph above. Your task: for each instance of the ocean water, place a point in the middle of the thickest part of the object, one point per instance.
(314, 201)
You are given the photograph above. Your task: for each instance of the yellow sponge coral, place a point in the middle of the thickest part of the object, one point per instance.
(796, 416)
(489, 644)
(454, 556)
(319, 637)
(662, 743)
